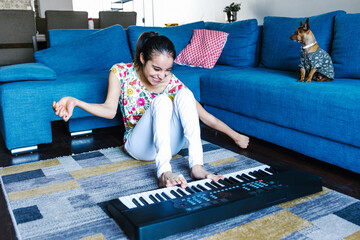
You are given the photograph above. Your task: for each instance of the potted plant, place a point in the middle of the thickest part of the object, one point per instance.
(231, 11)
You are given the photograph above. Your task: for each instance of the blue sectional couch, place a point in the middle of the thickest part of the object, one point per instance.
(252, 87)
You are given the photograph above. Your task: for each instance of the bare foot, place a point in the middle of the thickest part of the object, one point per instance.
(242, 141)
(199, 172)
(169, 179)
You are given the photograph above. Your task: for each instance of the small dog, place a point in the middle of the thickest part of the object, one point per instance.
(315, 63)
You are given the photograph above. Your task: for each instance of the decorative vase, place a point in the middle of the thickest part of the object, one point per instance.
(231, 16)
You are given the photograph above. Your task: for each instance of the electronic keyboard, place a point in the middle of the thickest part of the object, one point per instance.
(166, 211)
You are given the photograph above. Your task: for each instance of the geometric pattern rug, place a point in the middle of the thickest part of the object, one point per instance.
(65, 198)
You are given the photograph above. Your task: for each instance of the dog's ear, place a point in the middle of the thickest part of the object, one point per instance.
(301, 24)
(306, 26)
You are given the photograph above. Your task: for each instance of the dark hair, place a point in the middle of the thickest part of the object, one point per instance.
(150, 43)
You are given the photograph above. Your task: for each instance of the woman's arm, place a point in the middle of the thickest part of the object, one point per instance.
(215, 123)
(65, 106)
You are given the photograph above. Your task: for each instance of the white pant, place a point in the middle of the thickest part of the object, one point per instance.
(162, 130)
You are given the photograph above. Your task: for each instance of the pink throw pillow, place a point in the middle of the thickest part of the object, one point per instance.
(204, 48)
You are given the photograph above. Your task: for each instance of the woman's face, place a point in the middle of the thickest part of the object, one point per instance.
(157, 68)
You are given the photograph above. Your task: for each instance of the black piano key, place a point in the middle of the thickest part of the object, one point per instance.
(247, 177)
(136, 202)
(165, 196)
(264, 174)
(234, 180)
(215, 184)
(189, 190)
(196, 189)
(161, 199)
(241, 178)
(201, 187)
(229, 181)
(153, 199)
(255, 174)
(143, 201)
(210, 186)
(174, 193)
(224, 183)
(181, 192)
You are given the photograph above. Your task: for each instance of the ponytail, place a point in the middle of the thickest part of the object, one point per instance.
(150, 43)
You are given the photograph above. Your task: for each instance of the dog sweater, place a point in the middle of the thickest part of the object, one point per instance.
(319, 59)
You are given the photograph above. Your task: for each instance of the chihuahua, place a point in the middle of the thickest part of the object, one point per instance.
(315, 63)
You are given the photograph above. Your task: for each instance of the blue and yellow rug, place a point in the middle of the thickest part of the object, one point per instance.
(64, 198)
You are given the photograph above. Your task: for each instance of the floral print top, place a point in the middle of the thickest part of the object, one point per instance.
(135, 99)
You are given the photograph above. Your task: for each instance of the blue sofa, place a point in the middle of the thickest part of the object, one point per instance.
(252, 87)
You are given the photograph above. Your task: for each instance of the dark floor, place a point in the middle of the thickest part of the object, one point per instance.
(333, 177)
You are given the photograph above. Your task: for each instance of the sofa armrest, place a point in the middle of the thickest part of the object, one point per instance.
(26, 72)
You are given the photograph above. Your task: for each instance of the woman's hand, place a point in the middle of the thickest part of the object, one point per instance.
(64, 107)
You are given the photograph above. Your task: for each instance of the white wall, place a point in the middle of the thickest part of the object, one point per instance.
(294, 8)
(185, 11)
(54, 5)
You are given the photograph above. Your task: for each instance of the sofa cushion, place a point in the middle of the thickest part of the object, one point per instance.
(179, 35)
(61, 36)
(204, 49)
(26, 71)
(240, 48)
(346, 47)
(274, 96)
(97, 51)
(279, 52)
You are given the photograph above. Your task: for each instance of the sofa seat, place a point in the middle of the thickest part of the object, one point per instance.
(273, 96)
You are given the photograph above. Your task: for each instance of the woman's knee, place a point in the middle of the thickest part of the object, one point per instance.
(162, 101)
(184, 95)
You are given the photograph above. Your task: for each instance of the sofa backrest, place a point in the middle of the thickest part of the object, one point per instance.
(279, 52)
(94, 52)
(346, 46)
(179, 35)
(62, 36)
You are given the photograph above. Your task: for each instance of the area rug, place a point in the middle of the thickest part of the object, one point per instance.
(65, 198)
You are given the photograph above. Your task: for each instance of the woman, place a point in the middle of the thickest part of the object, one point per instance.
(160, 114)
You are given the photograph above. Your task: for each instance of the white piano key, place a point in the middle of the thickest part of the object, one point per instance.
(137, 197)
(126, 202)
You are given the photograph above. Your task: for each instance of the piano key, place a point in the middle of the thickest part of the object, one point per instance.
(234, 180)
(143, 201)
(241, 178)
(210, 186)
(158, 196)
(127, 202)
(166, 196)
(247, 177)
(136, 203)
(203, 188)
(147, 198)
(153, 198)
(181, 192)
(229, 181)
(189, 190)
(218, 185)
(267, 170)
(262, 173)
(223, 182)
(137, 198)
(196, 189)
(175, 193)
(255, 175)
